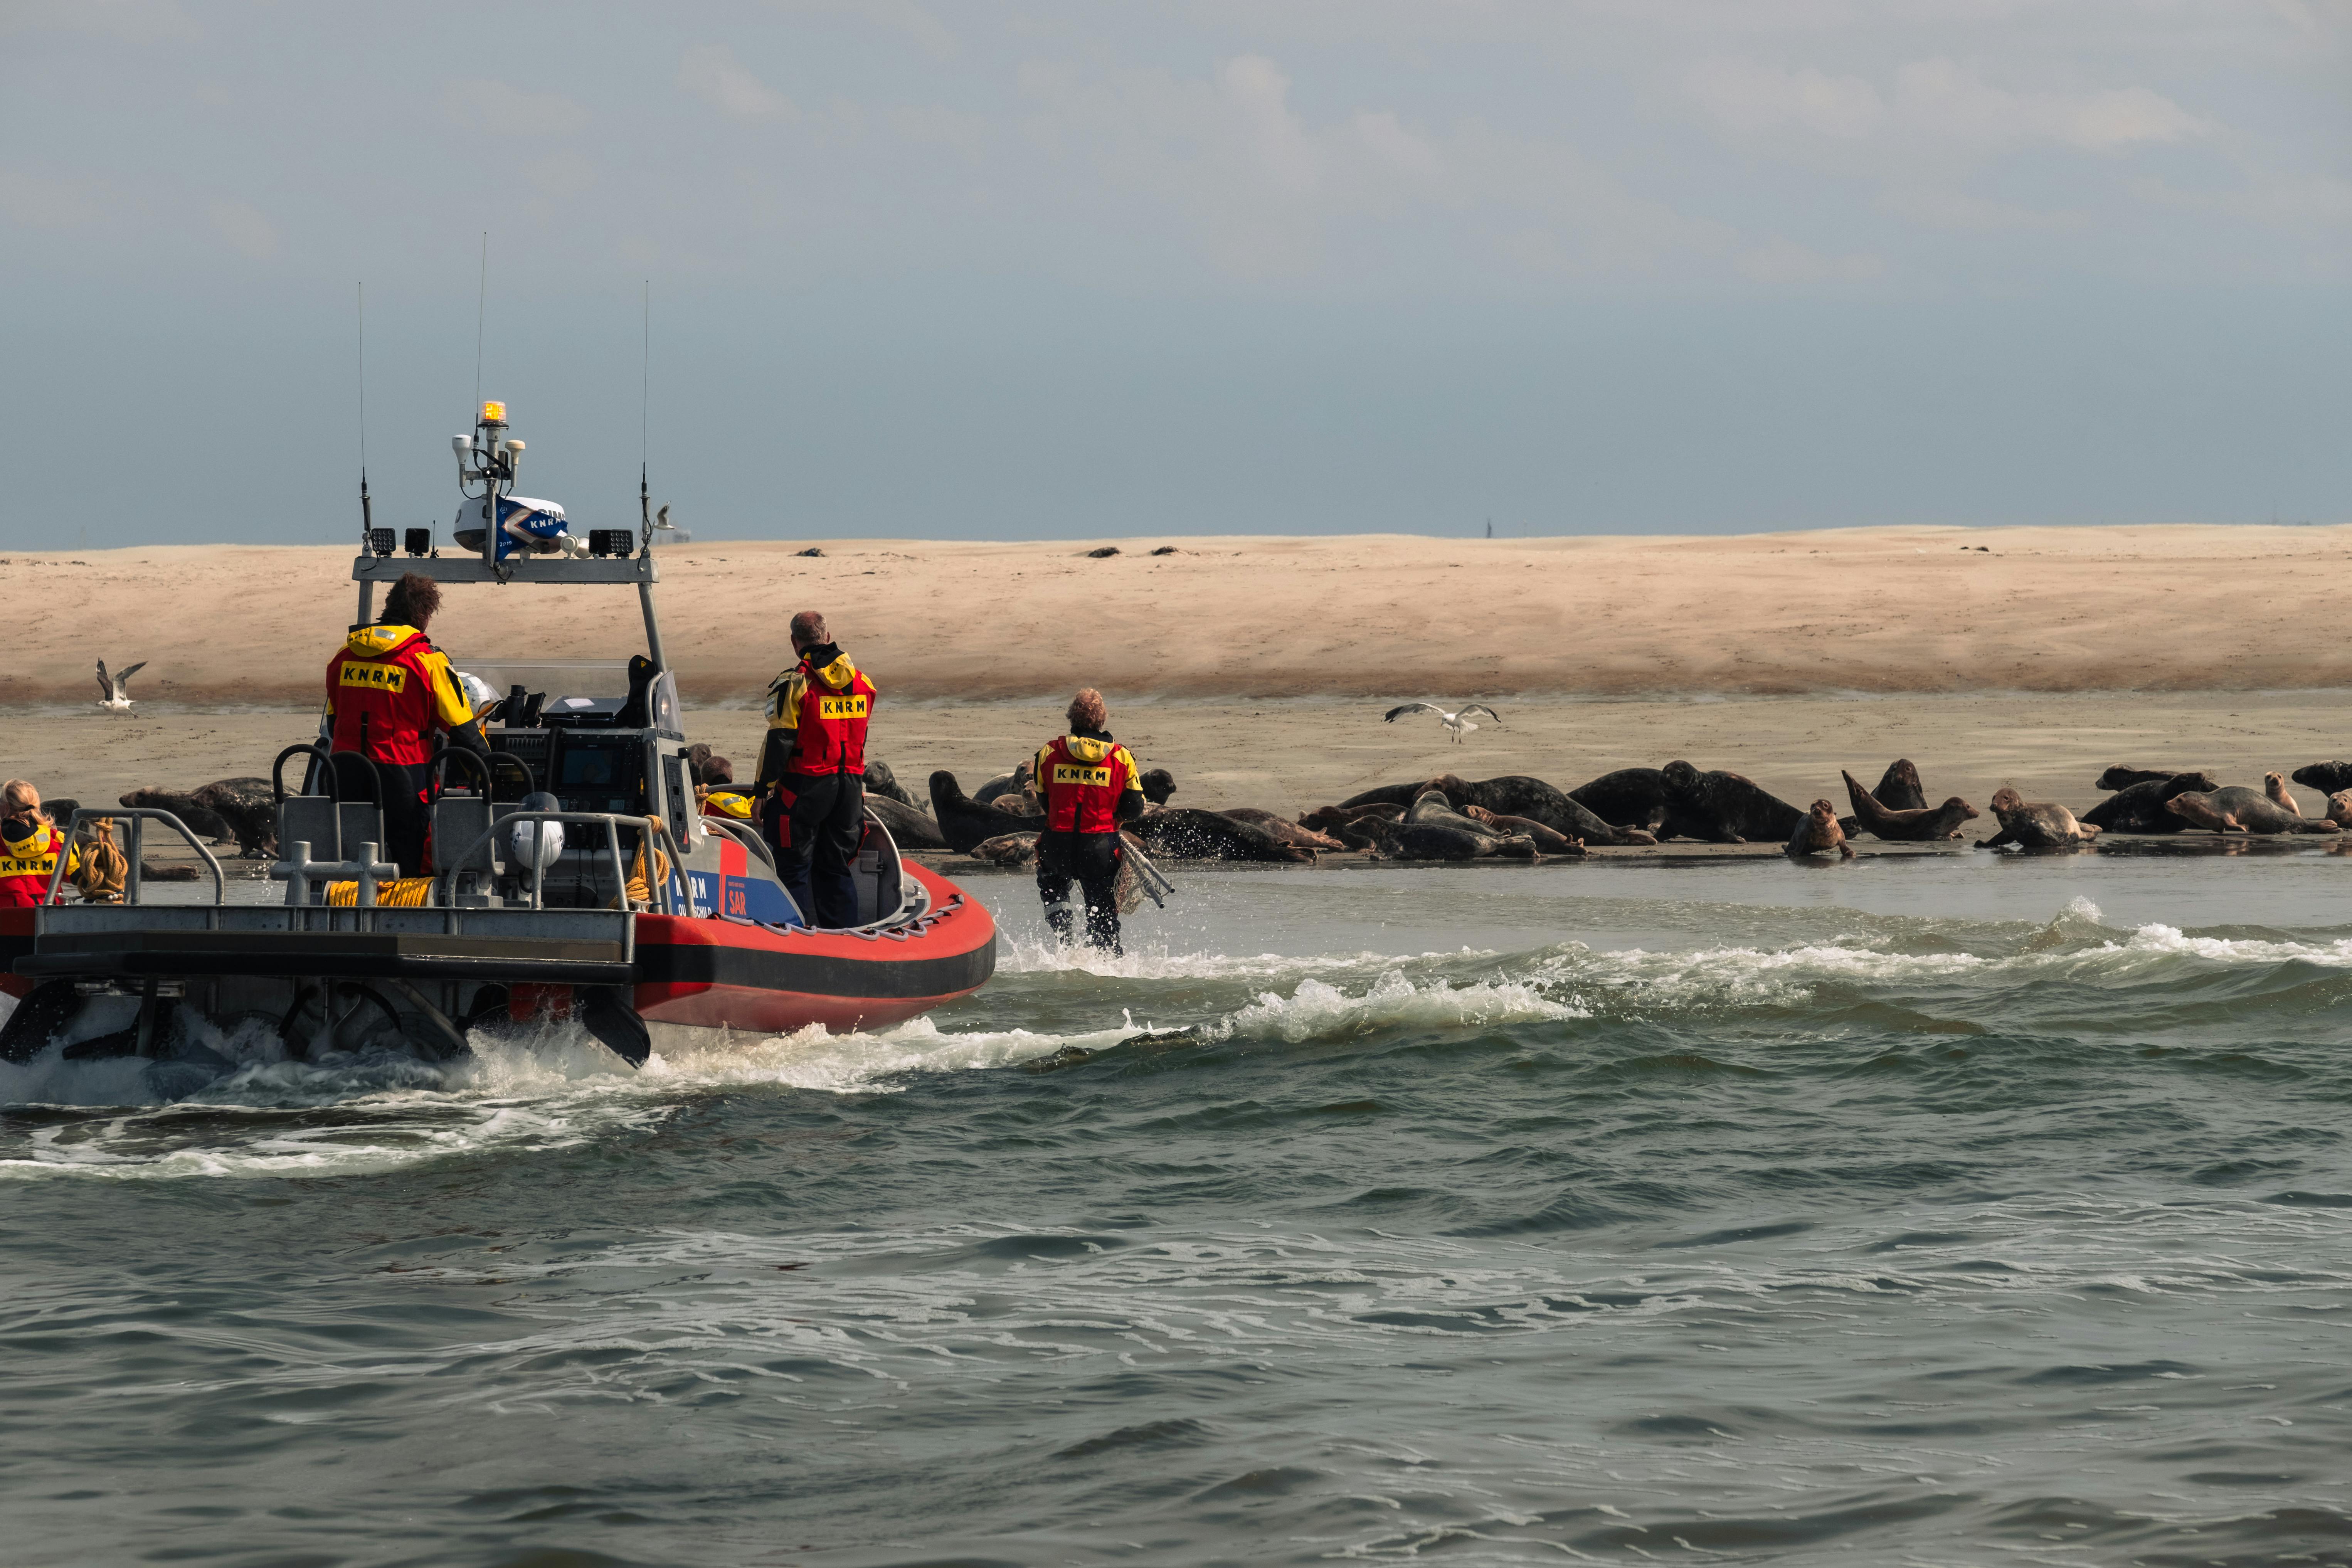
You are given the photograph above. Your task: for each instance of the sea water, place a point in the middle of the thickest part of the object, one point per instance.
(1957, 1211)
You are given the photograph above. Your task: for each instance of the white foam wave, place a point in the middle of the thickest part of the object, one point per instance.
(1021, 955)
(1318, 1010)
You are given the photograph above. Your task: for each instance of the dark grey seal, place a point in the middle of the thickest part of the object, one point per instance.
(880, 780)
(966, 823)
(2325, 777)
(1730, 808)
(909, 828)
(2139, 807)
(2123, 775)
(1912, 824)
(1183, 833)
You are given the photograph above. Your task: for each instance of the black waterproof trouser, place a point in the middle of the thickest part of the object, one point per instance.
(1092, 861)
(407, 815)
(814, 822)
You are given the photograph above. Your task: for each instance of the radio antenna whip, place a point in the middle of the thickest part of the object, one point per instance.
(481, 308)
(645, 422)
(367, 511)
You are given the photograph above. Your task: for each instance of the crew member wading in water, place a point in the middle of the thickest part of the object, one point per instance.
(813, 772)
(1089, 784)
(388, 691)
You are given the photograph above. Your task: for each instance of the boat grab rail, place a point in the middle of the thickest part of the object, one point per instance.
(330, 763)
(612, 821)
(137, 814)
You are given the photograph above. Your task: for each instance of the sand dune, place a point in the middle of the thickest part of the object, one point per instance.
(1864, 610)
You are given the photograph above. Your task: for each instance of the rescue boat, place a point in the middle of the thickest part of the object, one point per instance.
(575, 874)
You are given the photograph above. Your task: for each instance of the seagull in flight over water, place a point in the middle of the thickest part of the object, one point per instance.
(1457, 724)
(115, 696)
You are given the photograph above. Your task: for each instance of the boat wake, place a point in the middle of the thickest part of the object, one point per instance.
(233, 1102)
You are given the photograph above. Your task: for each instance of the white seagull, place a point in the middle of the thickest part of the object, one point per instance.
(115, 696)
(1457, 724)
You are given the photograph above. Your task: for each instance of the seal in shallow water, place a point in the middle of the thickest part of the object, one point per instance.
(2140, 809)
(2036, 825)
(2238, 809)
(1728, 807)
(1819, 833)
(1916, 824)
(965, 824)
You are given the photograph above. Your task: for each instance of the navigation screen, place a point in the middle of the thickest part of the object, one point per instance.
(597, 778)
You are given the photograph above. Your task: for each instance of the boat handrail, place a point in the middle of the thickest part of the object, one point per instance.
(741, 835)
(612, 821)
(137, 814)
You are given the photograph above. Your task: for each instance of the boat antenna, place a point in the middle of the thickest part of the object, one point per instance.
(367, 510)
(645, 423)
(481, 310)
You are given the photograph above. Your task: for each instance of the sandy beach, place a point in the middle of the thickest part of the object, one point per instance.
(1257, 671)
(1880, 610)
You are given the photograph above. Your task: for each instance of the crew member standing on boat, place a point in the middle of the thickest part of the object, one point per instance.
(389, 692)
(29, 846)
(812, 773)
(1089, 784)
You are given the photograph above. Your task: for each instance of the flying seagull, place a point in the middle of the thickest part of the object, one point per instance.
(114, 689)
(1457, 724)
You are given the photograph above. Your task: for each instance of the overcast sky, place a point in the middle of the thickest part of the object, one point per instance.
(1038, 268)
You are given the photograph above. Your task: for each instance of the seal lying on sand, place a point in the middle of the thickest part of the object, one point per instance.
(880, 780)
(1183, 834)
(239, 808)
(1899, 788)
(201, 819)
(1010, 850)
(2122, 777)
(2140, 809)
(1434, 809)
(2238, 809)
(2038, 825)
(1512, 794)
(2274, 789)
(2339, 808)
(1549, 840)
(2325, 777)
(1629, 797)
(965, 824)
(1730, 807)
(1014, 783)
(1820, 832)
(1916, 823)
(1281, 829)
(909, 828)
(1428, 840)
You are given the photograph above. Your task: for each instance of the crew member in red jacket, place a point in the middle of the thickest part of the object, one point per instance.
(812, 773)
(1089, 784)
(30, 844)
(389, 693)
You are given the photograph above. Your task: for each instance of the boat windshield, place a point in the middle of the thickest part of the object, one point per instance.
(582, 680)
